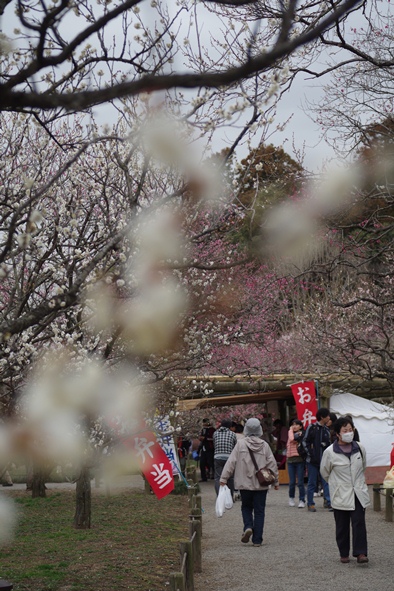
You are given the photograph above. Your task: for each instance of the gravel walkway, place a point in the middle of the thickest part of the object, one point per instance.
(298, 550)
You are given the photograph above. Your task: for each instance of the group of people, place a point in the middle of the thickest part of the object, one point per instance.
(215, 447)
(327, 450)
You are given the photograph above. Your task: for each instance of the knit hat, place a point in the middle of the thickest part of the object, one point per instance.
(253, 427)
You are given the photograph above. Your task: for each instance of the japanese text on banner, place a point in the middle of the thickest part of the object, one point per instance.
(306, 402)
(163, 428)
(154, 463)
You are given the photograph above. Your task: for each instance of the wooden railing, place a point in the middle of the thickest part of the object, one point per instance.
(190, 550)
(378, 492)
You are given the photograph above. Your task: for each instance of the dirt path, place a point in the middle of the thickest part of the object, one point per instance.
(120, 482)
(298, 550)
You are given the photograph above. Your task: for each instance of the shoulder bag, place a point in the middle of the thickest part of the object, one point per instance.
(265, 476)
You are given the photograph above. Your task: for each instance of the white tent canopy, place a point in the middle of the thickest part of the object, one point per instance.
(374, 422)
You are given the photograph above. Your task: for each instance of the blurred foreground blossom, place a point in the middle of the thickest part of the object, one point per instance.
(86, 396)
(295, 232)
(67, 406)
(120, 461)
(100, 305)
(125, 399)
(6, 445)
(290, 234)
(157, 240)
(57, 439)
(8, 520)
(168, 141)
(338, 190)
(6, 45)
(165, 138)
(63, 385)
(151, 320)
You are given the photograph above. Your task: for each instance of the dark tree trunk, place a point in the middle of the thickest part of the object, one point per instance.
(38, 488)
(83, 505)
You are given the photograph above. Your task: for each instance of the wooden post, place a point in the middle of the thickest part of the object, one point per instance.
(389, 504)
(191, 494)
(376, 497)
(191, 474)
(195, 534)
(199, 502)
(194, 474)
(186, 548)
(195, 514)
(177, 582)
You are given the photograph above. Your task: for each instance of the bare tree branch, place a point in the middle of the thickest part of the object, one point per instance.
(18, 100)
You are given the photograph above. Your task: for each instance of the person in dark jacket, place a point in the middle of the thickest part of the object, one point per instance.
(330, 425)
(317, 439)
(183, 444)
(224, 441)
(206, 450)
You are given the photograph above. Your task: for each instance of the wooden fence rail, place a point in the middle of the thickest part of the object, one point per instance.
(190, 550)
(388, 493)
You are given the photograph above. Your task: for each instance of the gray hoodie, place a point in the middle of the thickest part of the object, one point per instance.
(241, 465)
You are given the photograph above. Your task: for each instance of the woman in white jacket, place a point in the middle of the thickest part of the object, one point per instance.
(343, 465)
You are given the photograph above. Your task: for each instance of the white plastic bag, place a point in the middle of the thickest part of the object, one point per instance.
(223, 501)
(220, 502)
(228, 499)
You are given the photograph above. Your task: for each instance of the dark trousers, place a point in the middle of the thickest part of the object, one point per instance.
(313, 474)
(253, 512)
(343, 520)
(219, 465)
(206, 464)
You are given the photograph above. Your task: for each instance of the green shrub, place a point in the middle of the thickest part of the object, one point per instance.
(180, 488)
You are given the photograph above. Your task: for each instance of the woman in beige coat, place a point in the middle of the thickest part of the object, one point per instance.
(343, 465)
(253, 495)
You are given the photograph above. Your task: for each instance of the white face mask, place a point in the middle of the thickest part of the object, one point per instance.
(347, 437)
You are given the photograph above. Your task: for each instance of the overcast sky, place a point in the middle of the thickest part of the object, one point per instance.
(301, 130)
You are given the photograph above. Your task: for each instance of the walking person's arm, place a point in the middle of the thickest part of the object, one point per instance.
(326, 465)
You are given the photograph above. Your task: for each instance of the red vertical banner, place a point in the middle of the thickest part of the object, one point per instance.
(154, 463)
(306, 402)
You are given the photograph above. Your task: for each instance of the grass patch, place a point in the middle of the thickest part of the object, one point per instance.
(133, 543)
